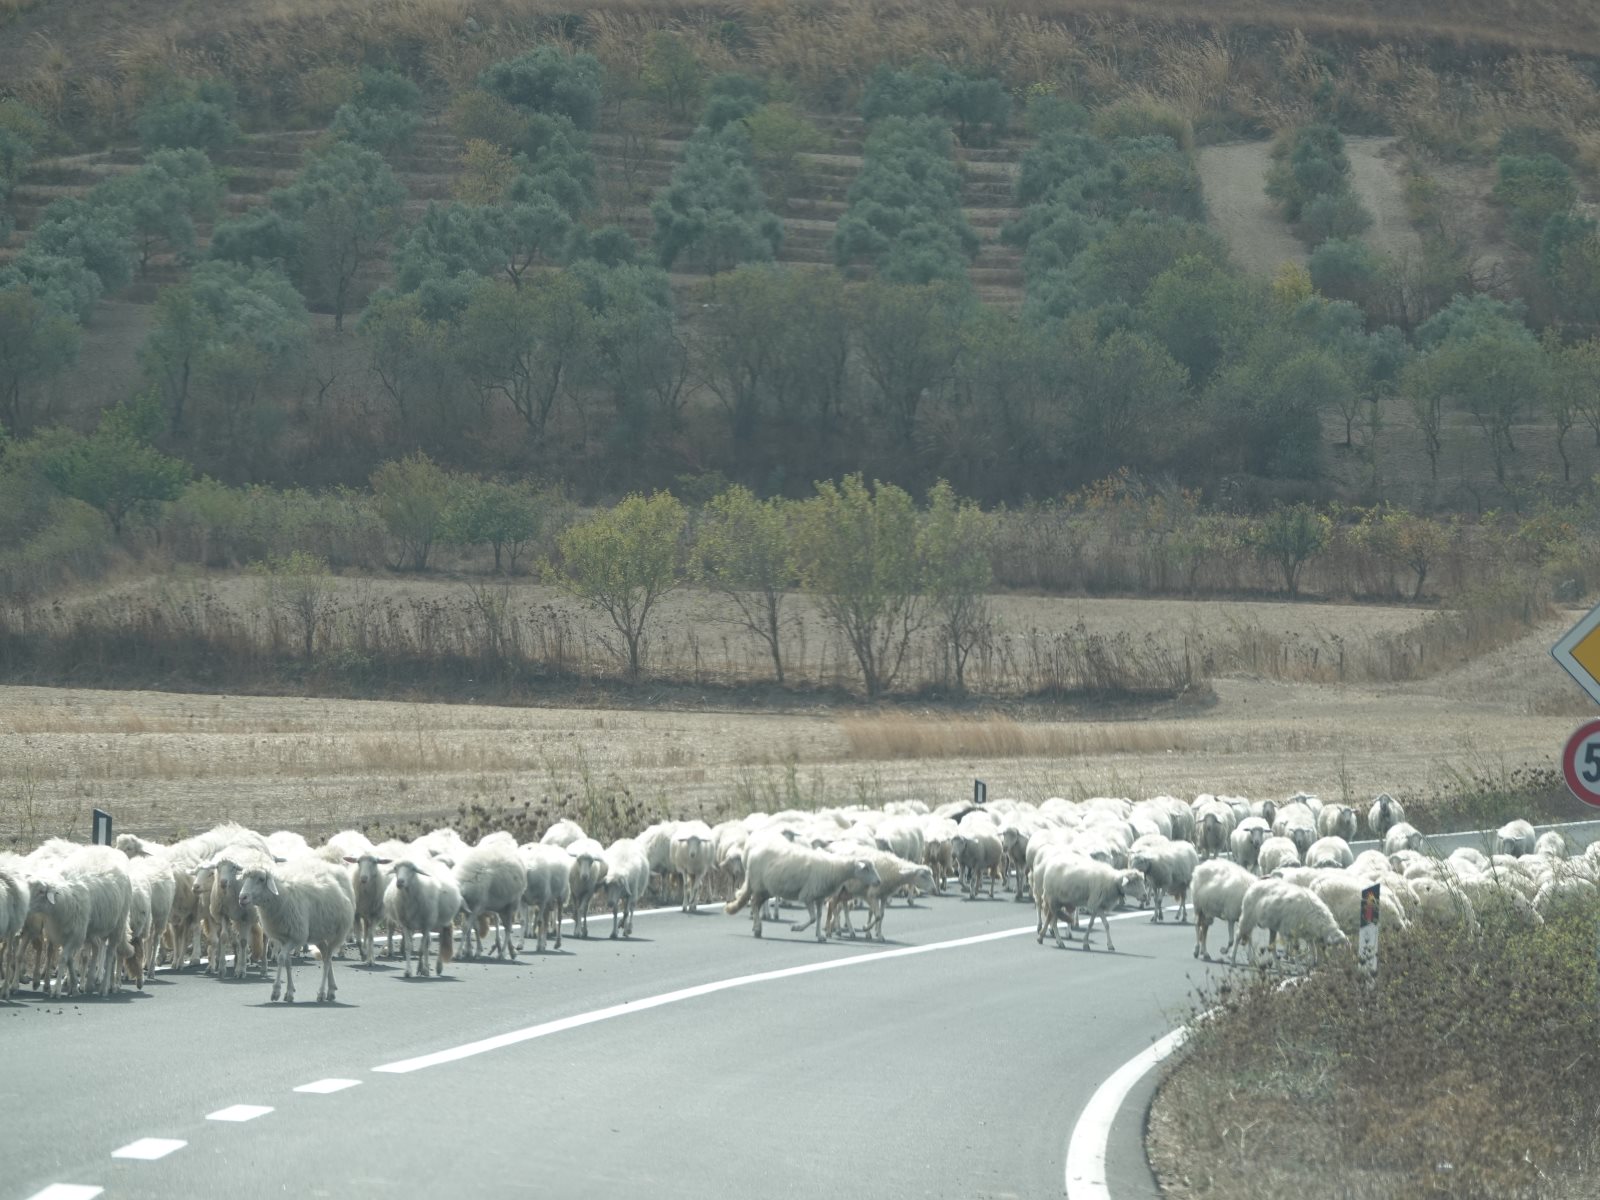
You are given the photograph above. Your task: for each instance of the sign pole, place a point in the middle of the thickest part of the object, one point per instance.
(101, 832)
(980, 791)
(1367, 935)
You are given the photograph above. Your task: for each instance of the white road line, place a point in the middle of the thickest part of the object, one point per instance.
(68, 1191)
(1086, 1151)
(500, 1041)
(239, 1112)
(149, 1149)
(324, 1087)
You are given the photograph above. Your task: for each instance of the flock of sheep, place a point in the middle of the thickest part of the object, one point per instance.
(85, 918)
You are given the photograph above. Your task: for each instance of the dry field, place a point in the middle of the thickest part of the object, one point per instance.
(163, 763)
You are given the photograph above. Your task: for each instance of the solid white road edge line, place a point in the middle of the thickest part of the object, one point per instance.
(500, 1041)
(1086, 1151)
(68, 1191)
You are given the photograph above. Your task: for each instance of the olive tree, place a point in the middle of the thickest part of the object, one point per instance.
(742, 549)
(953, 547)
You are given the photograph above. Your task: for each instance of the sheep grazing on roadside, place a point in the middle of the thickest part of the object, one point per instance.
(305, 902)
(1401, 836)
(692, 857)
(1552, 845)
(1442, 903)
(85, 899)
(1167, 869)
(1287, 910)
(549, 890)
(1276, 853)
(777, 869)
(1331, 852)
(977, 852)
(422, 897)
(1341, 892)
(1249, 835)
(368, 882)
(627, 880)
(1217, 892)
(588, 874)
(563, 833)
(493, 881)
(1515, 838)
(1386, 812)
(1066, 884)
(1337, 820)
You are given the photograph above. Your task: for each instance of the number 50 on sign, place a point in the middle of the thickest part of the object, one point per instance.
(1580, 763)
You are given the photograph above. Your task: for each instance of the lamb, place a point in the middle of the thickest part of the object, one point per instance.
(1167, 868)
(1218, 887)
(563, 833)
(627, 879)
(85, 898)
(1337, 820)
(778, 869)
(493, 880)
(588, 873)
(1330, 852)
(1288, 909)
(692, 858)
(1247, 839)
(1515, 838)
(977, 850)
(937, 835)
(894, 873)
(549, 888)
(1401, 836)
(306, 902)
(1385, 813)
(421, 900)
(368, 882)
(1068, 883)
(1277, 852)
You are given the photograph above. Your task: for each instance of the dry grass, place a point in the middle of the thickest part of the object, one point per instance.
(901, 736)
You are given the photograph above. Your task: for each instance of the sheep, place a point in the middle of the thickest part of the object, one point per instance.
(232, 923)
(368, 882)
(1267, 810)
(345, 845)
(304, 902)
(1341, 892)
(627, 879)
(563, 833)
(1401, 836)
(1247, 839)
(85, 898)
(1298, 823)
(588, 873)
(1552, 845)
(937, 835)
(656, 842)
(155, 879)
(977, 850)
(493, 880)
(894, 873)
(901, 835)
(1385, 813)
(1332, 851)
(1337, 820)
(778, 869)
(1014, 837)
(1275, 853)
(1218, 888)
(549, 888)
(1515, 838)
(1443, 904)
(1068, 883)
(692, 857)
(420, 899)
(727, 848)
(1167, 868)
(285, 844)
(1213, 830)
(1286, 908)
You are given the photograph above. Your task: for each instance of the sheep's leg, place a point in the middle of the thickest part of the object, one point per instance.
(1231, 927)
(277, 979)
(405, 951)
(1105, 923)
(757, 903)
(816, 919)
(1202, 930)
(1183, 906)
(559, 907)
(813, 914)
(628, 923)
(616, 919)
(506, 916)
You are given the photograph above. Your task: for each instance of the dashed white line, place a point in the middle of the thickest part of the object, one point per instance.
(149, 1149)
(324, 1087)
(68, 1191)
(500, 1041)
(239, 1112)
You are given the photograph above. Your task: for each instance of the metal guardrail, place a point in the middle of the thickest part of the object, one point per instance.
(1579, 833)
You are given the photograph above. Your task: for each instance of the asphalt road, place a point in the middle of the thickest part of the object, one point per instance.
(940, 1070)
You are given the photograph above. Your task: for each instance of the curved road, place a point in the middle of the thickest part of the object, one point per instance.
(693, 1060)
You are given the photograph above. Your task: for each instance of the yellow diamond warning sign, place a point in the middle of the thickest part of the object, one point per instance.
(1579, 653)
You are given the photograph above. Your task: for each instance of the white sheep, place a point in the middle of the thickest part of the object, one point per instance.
(549, 889)
(232, 923)
(1330, 852)
(563, 833)
(977, 850)
(13, 914)
(1213, 829)
(1167, 869)
(894, 873)
(1442, 903)
(1515, 838)
(1337, 820)
(155, 886)
(588, 874)
(778, 869)
(85, 898)
(692, 857)
(421, 898)
(1401, 836)
(1385, 813)
(1276, 853)
(368, 882)
(1218, 889)
(1298, 823)
(627, 880)
(937, 835)
(493, 881)
(305, 902)
(1341, 892)
(1065, 884)
(1247, 839)
(1552, 844)
(1287, 909)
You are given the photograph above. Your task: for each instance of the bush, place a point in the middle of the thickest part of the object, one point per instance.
(1290, 537)
(979, 107)
(483, 116)
(544, 80)
(198, 116)
(1342, 216)
(413, 497)
(384, 112)
(1533, 190)
(1142, 117)
(713, 212)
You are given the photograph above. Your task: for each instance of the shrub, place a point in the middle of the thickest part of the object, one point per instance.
(413, 497)
(1533, 190)
(1288, 538)
(544, 80)
(1342, 216)
(198, 116)
(713, 212)
(384, 112)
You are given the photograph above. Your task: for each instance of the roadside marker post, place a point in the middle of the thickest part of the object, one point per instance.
(1367, 934)
(101, 835)
(980, 791)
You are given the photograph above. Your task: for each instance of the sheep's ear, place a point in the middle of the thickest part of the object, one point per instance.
(272, 885)
(384, 862)
(50, 894)
(351, 861)
(276, 859)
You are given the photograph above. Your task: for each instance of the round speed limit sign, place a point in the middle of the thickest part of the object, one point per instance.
(1580, 763)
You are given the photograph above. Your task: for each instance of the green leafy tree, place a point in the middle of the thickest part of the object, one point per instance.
(346, 204)
(384, 112)
(299, 587)
(979, 106)
(1119, 266)
(953, 546)
(259, 238)
(1408, 541)
(116, 471)
(1125, 395)
(1533, 189)
(780, 138)
(1346, 269)
(731, 98)
(1492, 375)
(742, 551)
(37, 342)
(99, 236)
(639, 358)
(672, 74)
(908, 339)
(1200, 311)
(713, 212)
(414, 356)
(195, 116)
(162, 200)
(545, 80)
(508, 517)
(413, 496)
(622, 561)
(856, 552)
(1288, 538)
(1569, 261)
(1310, 162)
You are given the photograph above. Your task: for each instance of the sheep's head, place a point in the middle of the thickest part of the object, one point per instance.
(257, 885)
(864, 873)
(43, 892)
(1334, 937)
(1130, 884)
(1269, 811)
(405, 875)
(368, 868)
(921, 878)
